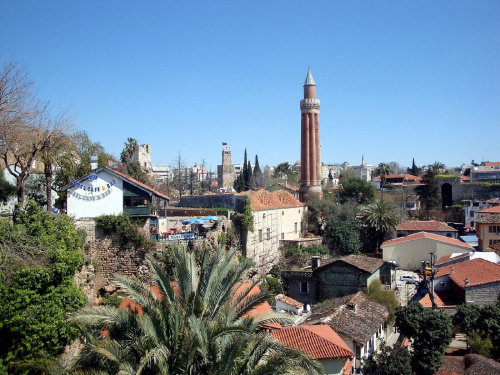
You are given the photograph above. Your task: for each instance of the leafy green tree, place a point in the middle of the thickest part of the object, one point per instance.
(428, 193)
(342, 236)
(385, 297)
(197, 326)
(356, 190)
(466, 317)
(382, 217)
(394, 360)
(431, 333)
(437, 167)
(38, 258)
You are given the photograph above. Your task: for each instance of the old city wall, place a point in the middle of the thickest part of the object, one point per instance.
(467, 191)
(105, 258)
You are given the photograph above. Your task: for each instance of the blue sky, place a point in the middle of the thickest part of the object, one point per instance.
(396, 80)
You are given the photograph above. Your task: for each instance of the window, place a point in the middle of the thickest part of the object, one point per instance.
(282, 236)
(475, 204)
(135, 202)
(282, 213)
(304, 287)
(263, 216)
(268, 233)
(494, 228)
(492, 242)
(260, 235)
(296, 227)
(471, 214)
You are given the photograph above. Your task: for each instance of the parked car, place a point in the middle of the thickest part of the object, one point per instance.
(410, 279)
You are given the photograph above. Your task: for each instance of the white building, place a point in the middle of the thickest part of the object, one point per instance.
(107, 192)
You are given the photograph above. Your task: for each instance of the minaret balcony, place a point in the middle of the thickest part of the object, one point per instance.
(309, 103)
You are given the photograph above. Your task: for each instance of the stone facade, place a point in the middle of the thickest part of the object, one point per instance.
(142, 157)
(454, 192)
(226, 170)
(482, 295)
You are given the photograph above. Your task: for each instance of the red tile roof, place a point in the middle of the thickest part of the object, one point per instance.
(490, 210)
(442, 299)
(492, 164)
(425, 226)
(266, 200)
(289, 301)
(489, 219)
(259, 310)
(318, 341)
(418, 236)
(477, 271)
(448, 258)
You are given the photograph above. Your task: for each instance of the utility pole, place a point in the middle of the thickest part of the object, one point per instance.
(431, 286)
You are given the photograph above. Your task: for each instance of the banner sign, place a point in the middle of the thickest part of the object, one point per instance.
(181, 236)
(103, 190)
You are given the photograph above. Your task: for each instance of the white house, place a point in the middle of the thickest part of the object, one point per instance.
(105, 191)
(409, 252)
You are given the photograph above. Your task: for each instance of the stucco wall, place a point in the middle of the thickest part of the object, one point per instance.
(409, 254)
(108, 200)
(333, 366)
(270, 227)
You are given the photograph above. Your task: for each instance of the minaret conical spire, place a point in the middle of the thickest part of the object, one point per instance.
(309, 79)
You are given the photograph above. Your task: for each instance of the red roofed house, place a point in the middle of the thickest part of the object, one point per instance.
(361, 323)
(410, 251)
(431, 226)
(473, 281)
(288, 304)
(486, 172)
(277, 217)
(320, 342)
(105, 191)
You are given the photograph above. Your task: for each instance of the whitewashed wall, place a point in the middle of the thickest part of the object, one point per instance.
(107, 200)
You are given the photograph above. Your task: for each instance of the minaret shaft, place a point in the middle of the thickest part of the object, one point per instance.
(310, 154)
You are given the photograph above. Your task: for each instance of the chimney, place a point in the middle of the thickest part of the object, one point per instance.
(93, 162)
(315, 262)
(466, 282)
(452, 270)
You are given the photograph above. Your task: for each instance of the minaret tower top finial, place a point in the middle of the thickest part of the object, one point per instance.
(309, 79)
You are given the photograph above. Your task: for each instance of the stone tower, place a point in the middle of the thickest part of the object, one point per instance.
(226, 170)
(310, 155)
(142, 157)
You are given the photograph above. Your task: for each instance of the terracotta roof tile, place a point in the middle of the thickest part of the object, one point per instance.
(418, 236)
(360, 325)
(425, 226)
(367, 264)
(489, 219)
(452, 257)
(492, 163)
(477, 271)
(494, 201)
(259, 310)
(318, 341)
(490, 210)
(289, 301)
(443, 300)
(266, 200)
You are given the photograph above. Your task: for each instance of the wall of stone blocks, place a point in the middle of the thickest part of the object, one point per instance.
(483, 295)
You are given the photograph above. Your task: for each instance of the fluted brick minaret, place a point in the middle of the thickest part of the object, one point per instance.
(310, 155)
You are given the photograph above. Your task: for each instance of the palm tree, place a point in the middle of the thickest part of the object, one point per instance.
(436, 167)
(198, 325)
(383, 170)
(382, 217)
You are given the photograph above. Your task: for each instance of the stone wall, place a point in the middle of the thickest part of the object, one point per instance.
(483, 295)
(467, 191)
(105, 258)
